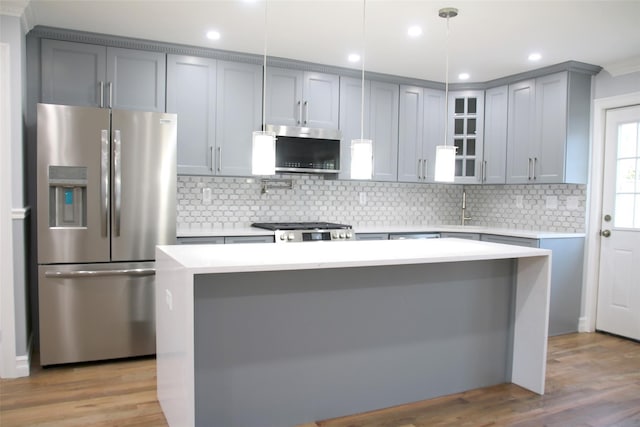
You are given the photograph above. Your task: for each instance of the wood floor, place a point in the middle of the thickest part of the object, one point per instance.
(592, 380)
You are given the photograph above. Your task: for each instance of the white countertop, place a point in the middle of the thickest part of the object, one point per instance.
(203, 259)
(252, 231)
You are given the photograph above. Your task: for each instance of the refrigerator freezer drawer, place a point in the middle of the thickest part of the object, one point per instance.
(96, 311)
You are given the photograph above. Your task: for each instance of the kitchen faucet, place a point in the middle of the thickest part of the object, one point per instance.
(464, 208)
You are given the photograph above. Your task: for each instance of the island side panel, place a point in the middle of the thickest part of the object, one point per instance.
(174, 340)
(531, 322)
(290, 347)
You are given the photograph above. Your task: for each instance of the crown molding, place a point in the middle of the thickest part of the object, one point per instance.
(13, 7)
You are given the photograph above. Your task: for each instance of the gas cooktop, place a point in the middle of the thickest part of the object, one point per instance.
(300, 226)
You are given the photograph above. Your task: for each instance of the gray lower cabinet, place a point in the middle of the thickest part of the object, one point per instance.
(197, 240)
(548, 129)
(372, 236)
(380, 124)
(219, 240)
(466, 236)
(219, 106)
(249, 239)
(422, 119)
(405, 236)
(302, 98)
(99, 76)
(566, 278)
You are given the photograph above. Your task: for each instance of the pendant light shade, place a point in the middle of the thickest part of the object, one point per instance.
(361, 158)
(445, 163)
(263, 153)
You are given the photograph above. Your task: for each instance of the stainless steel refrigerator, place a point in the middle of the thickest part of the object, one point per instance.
(106, 195)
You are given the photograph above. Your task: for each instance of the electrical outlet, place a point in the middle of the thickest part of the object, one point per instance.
(362, 198)
(552, 202)
(519, 201)
(206, 195)
(169, 299)
(573, 203)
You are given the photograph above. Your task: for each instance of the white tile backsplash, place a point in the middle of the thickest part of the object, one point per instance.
(238, 202)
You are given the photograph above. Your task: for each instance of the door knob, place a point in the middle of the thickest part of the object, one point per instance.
(605, 233)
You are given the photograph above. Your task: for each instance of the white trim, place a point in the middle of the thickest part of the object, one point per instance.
(23, 363)
(594, 204)
(583, 324)
(8, 367)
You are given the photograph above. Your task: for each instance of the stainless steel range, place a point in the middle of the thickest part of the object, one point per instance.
(307, 231)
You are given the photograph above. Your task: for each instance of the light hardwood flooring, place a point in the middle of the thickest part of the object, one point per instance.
(592, 380)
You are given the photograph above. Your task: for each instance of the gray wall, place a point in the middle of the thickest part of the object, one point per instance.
(606, 85)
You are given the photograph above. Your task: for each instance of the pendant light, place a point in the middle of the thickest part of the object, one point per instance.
(263, 146)
(362, 149)
(446, 154)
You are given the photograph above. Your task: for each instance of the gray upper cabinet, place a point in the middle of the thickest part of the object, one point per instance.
(548, 129)
(238, 114)
(98, 76)
(191, 93)
(380, 124)
(383, 130)
(219, 106)
(302, 98)
(422, 118)
(493, 169)
(466, 133)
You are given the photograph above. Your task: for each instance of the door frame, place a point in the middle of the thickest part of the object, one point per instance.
(594, 205)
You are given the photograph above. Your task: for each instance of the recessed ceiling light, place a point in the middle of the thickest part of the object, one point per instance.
(535, 56)
(213, 35)
(414, 31)
(464, 76)
(354, 57)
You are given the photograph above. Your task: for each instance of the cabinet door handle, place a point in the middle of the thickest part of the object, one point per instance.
(529, 169)
(211, 158)
(117, 178)
(299, 111)
(484, 171)
(419, 168)
(101, 94)
(219, 159)
(424, 169)
(306, 112)
(535, 161)
(110, 86)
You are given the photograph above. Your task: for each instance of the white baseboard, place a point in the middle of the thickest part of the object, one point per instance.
(583, 325)
(23, 363)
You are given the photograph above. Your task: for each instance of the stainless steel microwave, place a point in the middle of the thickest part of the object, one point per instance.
(310, 150)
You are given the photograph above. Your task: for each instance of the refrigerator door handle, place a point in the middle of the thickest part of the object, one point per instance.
(100, 273)
(104, 181)
(117, 191)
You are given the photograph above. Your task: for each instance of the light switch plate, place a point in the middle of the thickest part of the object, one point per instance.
(206, 195)
(519, 201)
(362, 198)
(573, 204)
(552, 202)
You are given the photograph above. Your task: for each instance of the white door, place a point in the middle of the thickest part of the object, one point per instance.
(619, 284)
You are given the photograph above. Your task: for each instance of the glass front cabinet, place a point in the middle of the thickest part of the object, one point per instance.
(465, 132)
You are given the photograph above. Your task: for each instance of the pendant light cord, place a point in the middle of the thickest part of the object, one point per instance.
(264, 72)
(364, 42)
(446, 85)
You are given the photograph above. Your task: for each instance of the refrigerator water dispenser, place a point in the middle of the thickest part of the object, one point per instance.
(67, 196)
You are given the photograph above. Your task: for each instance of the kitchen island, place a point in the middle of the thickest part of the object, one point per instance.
(282, 335)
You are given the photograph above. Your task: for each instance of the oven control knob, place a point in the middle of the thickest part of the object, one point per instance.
(349, 235)
(342, 235)
(283, 236)
(290, 236)
(334, 235)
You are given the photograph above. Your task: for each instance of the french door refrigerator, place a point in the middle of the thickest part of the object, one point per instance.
(106, 193)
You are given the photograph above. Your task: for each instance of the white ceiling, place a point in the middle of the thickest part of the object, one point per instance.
(489, 39)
